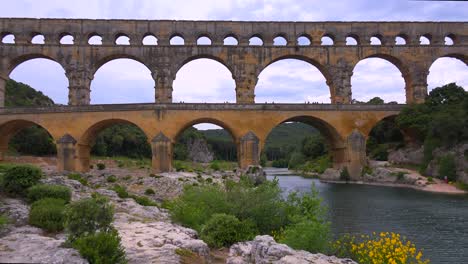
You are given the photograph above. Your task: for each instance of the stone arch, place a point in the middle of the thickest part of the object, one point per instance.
(327, 39)
(5, 35)
(149, 39)
(26, 57)
(110, 57)
(87, 138)
(322, 69)
(304, 39)
(119, 37)
(352, 39)
(10, 128)
(37, 38)
(205, 56)
(94, 36)
(425, 39)
(254, 38)
(401, 39)
(334, 139)
(204, 39)
(280, 39)
(446, 69)
(399, 64)
(174, 37)
(229, 37)
(146, 86)
(450, 39)
(376, 39)
(64, 37)
(209, 120)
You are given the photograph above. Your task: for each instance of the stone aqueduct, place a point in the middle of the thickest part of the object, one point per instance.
(346, 126)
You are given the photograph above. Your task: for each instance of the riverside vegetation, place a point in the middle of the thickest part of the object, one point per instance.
(216, 211)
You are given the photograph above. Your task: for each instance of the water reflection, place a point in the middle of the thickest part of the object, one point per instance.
(436, 223)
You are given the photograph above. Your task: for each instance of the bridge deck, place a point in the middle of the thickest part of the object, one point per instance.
(201, 106)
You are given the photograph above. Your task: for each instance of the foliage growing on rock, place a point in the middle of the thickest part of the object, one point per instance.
(101, 248)
(42, 191)
(48, 214)
(224, 230)
(88, 216)
(17, 179)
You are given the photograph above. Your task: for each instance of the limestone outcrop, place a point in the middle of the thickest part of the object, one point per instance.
(264, 250)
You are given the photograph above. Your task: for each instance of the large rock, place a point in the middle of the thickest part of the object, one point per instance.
(28, 245)
(264, 250)
(330, 174)
(16, 210)
(410, 155)
(255, 173)
(198, 151)
(458, 152)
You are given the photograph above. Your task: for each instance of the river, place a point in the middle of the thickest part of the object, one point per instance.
(436, 223)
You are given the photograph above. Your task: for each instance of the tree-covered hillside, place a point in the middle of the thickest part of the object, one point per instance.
(20, 94)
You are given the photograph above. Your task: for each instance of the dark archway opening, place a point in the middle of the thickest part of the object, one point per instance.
(384, 137)
(205, 145)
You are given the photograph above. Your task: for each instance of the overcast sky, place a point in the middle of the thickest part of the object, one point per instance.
(126, 81)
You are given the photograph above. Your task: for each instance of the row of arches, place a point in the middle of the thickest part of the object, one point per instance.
(206, 80)
(254, 40)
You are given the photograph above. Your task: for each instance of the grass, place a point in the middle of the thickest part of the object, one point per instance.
(461, 186)
(126, 162)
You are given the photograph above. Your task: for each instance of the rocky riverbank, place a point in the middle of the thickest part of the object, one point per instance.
(148, 235)
(382, 174)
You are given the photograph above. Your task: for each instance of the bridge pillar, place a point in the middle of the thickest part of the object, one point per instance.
(3, 81)
(339, 81)
(79, 80)
(416, 88)
(163, 87)
(66, 153)
(356, 154)
(249, 153)
(161, 147)
(245, 89)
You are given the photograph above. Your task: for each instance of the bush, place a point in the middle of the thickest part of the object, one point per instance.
(48, 214)
(379, 152)
(297, 159)
(344, 174)
(3, 221)
(215, 165)
(447, 168)
(39, 192)
(223, 230)
(111, 179)
(312, 236)
(18, 179)
(149, 191)
(121, 191)
(78, 177)
(87, 216)
(102, 248)
(145, 201)
(281, 163)
(101, 166)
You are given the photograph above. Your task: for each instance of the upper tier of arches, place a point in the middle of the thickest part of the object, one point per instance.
(52, 31)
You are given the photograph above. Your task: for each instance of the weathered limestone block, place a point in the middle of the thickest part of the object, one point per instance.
(161, 147)
(249, 150)
(79, 78)
(3, 81)
(356, 145)
(339, 82)
(66, 153)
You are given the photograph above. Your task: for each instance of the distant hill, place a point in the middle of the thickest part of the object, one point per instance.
(20, 94)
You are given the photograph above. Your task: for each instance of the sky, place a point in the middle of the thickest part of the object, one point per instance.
(203, 80)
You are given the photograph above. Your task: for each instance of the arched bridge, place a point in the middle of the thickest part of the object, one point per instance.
(346, 126)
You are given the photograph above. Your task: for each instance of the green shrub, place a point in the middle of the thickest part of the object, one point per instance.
(17, 179)
(215, 165)
(48, 214)
(366, 170)
(145, 201)
(87, 216)
(344, 174)
(39, 192)
(149, 191)
(101, 166)
(312, 236)
(121, 191)
(380, 152)
(111, 179)
(430, 180)
(297, 159)
(223, 230)
(447, 168)
(281, 163)
(128, 177)
(101, 248)
(3, 221)
(180, 166)
(78, 177)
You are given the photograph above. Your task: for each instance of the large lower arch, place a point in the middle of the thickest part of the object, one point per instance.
(42, 73)
(337, 145)
(448, 69)
(380, 75)
(305, 79)
(130, 77)
(87, 140)
(204, 79)
(11, 128)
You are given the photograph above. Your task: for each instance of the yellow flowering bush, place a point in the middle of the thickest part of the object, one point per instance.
(383, 248)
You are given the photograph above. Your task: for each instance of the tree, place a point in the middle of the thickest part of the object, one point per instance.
(313, 146)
